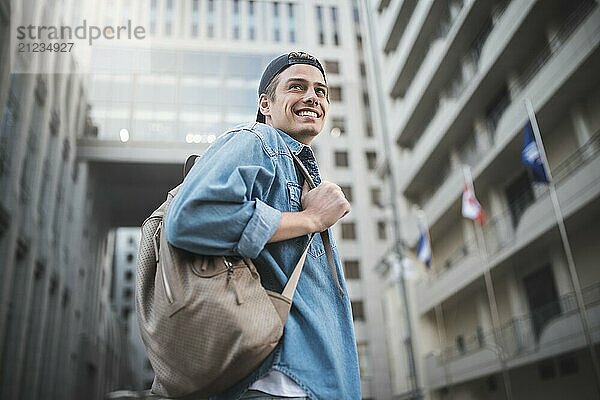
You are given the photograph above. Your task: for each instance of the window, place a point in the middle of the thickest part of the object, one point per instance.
(366, 102)
(546, 370)
(376, 197)
(251, 23)
(364, 359)
(125, 313)
(236, 19)
(371, 157)
(341, 159)
(210, 19)
(480, 336)
(127, 293)
(381, 230)
(153, 5)
(519, 194)
(496, 108)
(358, 310)
(129, 258)
(195, 13)
(460, 343)
(334, 20)
(567, 365)
(291, 23)
(335, 93)
(542, 297)
(332, 67)
(276, 23)
(363, 69)
(348, 231)
(319, 13)
(347, 192)
(351, 269)
(128, 276)
(369, 130)
(169, 18)
(467, 150)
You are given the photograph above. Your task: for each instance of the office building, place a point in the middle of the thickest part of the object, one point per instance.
(456, 76)
(58, 337)
(195, 76)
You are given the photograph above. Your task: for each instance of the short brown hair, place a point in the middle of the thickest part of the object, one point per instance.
(271, 87)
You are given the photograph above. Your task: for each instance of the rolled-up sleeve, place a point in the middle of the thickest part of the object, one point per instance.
(259, 230)
(220, 208)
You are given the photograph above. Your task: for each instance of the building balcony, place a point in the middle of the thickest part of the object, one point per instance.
(551, 330)
(394, 23)
(555, 82)
(452, 116)
(410, 52)
(442, 62)
(577, 188)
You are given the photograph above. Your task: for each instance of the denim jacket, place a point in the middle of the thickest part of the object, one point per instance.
(231, 204)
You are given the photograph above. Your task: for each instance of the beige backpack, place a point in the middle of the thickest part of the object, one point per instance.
(206, 321)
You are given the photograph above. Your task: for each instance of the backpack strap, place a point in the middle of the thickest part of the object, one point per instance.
(293, 281)
(189, 163)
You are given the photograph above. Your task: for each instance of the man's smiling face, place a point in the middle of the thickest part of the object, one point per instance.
(300, 104)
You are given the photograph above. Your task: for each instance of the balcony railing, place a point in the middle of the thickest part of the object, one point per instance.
(457, 86)
(519, 335)
(500, 229)
(584, 154)
(554, 45)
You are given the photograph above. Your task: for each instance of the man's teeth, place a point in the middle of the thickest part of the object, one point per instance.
(308, 114)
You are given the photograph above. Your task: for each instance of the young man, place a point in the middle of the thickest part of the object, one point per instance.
(245, 198)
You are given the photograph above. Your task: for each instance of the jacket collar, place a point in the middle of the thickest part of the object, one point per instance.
(294, 145)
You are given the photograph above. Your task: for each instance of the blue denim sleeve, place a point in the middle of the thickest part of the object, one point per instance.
(218, 209)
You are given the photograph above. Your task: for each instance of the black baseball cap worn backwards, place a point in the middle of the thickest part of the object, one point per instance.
(279, 64)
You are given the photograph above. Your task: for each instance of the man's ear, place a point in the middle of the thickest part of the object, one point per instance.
(263, 105)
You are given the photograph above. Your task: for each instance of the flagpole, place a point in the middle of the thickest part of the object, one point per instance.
(439, 319)
(439, 316)
(490, 291)
(565, 241)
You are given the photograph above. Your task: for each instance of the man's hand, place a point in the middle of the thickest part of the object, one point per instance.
(324, 205)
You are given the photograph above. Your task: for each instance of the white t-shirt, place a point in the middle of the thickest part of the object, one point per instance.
(278, 384)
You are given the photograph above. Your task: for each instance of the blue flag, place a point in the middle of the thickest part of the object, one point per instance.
(530, 155)
(424, 247)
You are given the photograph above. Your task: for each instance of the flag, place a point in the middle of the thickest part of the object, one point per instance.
(424, 247)
(470, 206)
(530, 155)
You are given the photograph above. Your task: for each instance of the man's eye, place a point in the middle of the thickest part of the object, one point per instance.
(296, 86)
(321, 92)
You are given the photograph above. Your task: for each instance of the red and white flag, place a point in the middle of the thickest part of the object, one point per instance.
(470, 206)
